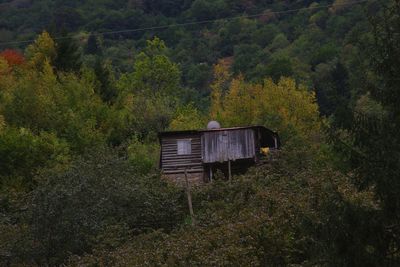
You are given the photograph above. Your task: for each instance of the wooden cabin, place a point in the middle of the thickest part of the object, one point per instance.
(200, 153)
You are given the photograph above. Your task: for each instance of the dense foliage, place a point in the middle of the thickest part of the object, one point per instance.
(95, 202)
(316, 44)
(80, 110)
(281, 214)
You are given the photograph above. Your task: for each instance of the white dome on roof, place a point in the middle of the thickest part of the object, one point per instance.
(213, 125)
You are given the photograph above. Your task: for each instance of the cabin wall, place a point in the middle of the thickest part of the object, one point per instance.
(222, 146)
(173, 165)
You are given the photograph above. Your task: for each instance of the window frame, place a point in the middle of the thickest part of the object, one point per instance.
(184, 147)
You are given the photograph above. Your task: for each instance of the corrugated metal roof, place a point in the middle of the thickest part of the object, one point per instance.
(212, 130)
(268, 135)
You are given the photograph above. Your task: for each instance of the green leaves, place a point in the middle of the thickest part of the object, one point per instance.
(284, 213)
(144, 156)
(23, 154)
(154, 73)
(97, 202)
(65, 105)
(188, 118)
(42, 51)
(152, 92)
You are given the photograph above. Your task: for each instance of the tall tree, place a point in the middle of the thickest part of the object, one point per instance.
(105, 88)
(152, 92)
(289, 108)
(68, 54)
(92, 46)
(154, 72)
(333, 92)
(42, 51)
(376, 137)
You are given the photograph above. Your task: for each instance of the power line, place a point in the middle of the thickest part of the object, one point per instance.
(196, 22)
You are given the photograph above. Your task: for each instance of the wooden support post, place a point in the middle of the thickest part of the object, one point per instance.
(189, 197)
(211, 174)
(229, 171)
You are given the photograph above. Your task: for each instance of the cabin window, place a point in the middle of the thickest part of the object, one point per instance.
(184, 147)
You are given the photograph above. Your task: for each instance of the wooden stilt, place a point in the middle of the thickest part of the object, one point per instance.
(189, 197)
(229, 171)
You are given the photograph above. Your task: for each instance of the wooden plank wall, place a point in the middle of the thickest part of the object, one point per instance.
(174, 165)
(221, 146)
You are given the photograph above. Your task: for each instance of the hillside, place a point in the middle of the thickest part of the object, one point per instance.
(282, 214)
(310, 41)
(86, 86)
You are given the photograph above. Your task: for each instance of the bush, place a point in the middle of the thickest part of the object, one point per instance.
(143, 156)
(23, 154)
(97, 203)
(283, 214)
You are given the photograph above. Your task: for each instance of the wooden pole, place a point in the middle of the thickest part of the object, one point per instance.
(189, 197)
(229, 171)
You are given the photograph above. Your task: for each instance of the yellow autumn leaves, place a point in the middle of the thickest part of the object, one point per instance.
(283, 106)
(42, 52)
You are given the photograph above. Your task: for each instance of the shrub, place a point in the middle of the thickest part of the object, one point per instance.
(97, 203)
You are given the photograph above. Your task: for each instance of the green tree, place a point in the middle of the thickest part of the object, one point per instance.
(68, 54)
(105, 87)
(143, 155)
(150, 94)
(289, 212)
(246, 58)
(154, 73)
(279, 67)
(188, 118)
(280, 41)
(333, 92)
(23, 154)
(206, 9)
(92, 46)
(64, 104)
(41, 51)
(2, 123)
(374, 142)
(95, 204)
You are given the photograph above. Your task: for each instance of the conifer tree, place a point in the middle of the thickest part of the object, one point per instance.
(92, 46)
(375, 155)
(68, 54)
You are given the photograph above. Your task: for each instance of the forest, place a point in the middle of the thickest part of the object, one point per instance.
(86, 86)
